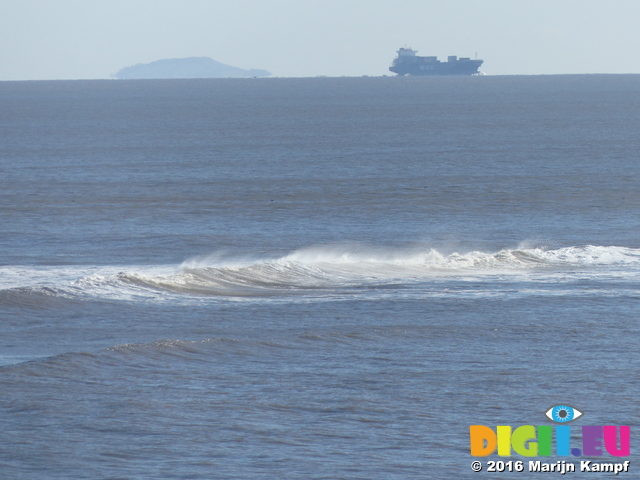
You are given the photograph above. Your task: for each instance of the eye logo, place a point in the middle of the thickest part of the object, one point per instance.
(563, 413)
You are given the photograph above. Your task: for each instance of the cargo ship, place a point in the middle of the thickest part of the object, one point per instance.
(408, 63)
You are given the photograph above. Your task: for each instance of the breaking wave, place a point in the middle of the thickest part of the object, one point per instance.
(320, 270)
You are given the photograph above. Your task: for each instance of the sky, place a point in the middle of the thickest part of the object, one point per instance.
(93, 39)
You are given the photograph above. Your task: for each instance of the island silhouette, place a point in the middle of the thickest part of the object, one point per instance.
(192, 67)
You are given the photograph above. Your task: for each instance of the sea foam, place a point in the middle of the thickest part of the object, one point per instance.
(321, 268)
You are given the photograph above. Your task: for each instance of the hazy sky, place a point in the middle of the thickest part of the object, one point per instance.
(77, 39)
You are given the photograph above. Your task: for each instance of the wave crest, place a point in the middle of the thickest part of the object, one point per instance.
(329, 269)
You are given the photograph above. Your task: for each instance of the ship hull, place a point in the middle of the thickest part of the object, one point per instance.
(459, 67)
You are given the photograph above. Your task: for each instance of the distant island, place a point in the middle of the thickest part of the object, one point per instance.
(193, 67)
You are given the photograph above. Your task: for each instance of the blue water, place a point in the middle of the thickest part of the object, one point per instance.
(312, 278)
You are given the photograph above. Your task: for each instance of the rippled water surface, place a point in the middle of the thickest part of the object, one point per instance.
(311, 278)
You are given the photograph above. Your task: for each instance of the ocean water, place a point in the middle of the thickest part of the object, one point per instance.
(323, 278)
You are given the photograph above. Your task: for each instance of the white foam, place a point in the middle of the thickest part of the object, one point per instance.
(325, 268)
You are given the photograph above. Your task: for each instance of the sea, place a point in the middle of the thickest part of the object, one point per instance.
(314, 278)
